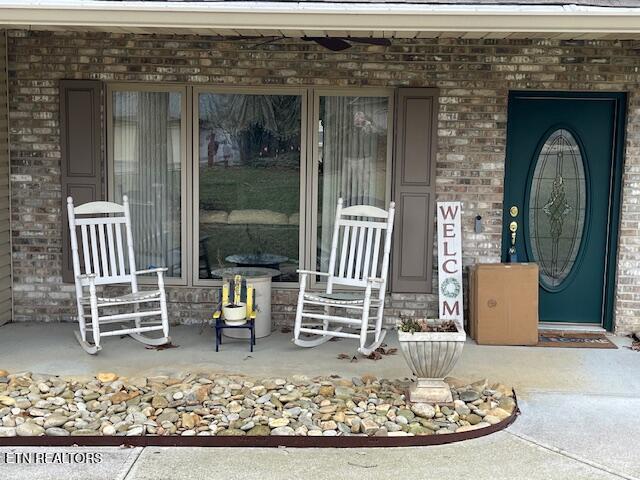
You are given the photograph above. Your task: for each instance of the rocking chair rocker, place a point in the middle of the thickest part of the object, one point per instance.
(360, 259)
(104, 258)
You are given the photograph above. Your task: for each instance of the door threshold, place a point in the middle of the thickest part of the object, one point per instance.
(572, 327)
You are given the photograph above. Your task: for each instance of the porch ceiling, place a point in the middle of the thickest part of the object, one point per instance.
(379, 18)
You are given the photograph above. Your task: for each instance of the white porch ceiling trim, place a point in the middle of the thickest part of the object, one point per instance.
(290, 18)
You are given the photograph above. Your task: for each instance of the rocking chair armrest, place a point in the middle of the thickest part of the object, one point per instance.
(311, 272)
(152, 270)
(87, 276)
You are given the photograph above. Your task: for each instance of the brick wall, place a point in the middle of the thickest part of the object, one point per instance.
(474, 77)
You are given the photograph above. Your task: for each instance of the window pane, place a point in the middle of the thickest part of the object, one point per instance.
(352, 160)
(557, 204)
(146, 167)
(249, 166)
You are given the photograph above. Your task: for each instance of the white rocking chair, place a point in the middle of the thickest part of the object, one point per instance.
(361, 255)
(105, 256)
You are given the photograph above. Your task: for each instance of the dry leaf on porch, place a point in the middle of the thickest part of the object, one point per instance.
(635, 345)
(161, 347)
(285, 330)
(345, 356)
(375, 355)
(382, 350)
(387, 351)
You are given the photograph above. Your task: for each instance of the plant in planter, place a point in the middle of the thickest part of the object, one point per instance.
(431, 348)
(234, 313)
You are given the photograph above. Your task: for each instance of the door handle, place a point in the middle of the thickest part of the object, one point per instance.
(513, 228)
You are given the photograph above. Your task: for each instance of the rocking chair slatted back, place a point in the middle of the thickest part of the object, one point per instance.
(106, 256)
(103, 247)
(359, 232)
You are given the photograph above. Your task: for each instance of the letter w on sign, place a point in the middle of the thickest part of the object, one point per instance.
(450, 261)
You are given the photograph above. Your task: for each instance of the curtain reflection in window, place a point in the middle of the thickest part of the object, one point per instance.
(147, 168)
(352, 161)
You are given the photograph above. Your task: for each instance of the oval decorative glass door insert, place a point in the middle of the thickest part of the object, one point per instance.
(557, 202)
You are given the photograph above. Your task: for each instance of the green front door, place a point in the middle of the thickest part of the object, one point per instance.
(561, 199)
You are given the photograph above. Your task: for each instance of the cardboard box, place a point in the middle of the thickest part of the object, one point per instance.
(503, 303)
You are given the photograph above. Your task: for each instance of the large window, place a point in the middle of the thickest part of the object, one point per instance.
(147, 130)
(249, 148)
(263, 171)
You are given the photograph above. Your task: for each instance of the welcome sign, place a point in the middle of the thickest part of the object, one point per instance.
(450, 261)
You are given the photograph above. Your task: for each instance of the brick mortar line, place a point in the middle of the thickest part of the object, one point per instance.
(572, 456)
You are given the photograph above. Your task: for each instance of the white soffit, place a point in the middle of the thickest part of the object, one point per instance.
(401, 20)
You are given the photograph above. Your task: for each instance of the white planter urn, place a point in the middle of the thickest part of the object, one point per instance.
(235, 314)
(431, 357)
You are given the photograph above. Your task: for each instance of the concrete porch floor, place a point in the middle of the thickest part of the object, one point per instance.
(578, 407)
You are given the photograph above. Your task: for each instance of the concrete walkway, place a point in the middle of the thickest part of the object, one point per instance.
(579, 408)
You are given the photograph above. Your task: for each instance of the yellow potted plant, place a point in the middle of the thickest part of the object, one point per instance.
(234, 313)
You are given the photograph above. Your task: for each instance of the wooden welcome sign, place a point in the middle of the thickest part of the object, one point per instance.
(450, 261)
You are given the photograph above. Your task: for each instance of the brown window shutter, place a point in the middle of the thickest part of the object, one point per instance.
(414, 189)
(80, 140)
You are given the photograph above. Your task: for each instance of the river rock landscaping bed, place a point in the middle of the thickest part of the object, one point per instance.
(206, 405)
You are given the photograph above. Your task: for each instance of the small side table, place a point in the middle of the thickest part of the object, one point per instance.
(250, 325)
(260, 278)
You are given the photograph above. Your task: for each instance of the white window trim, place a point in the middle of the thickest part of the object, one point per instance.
(154, 87)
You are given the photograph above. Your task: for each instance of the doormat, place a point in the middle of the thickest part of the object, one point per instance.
(563, 339)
